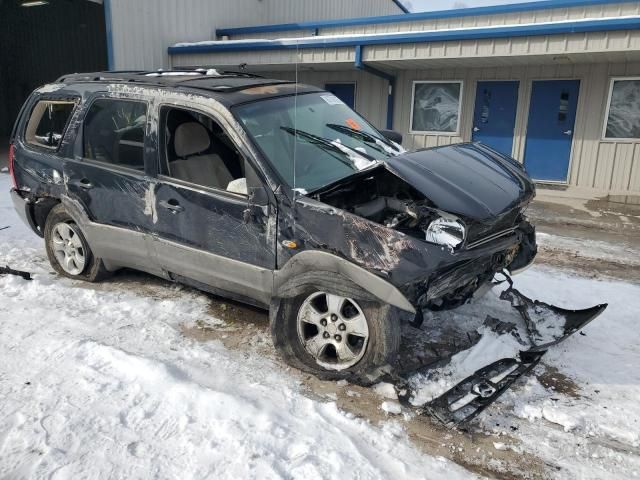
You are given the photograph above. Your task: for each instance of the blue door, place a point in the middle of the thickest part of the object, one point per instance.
(552, 115)
(344, 91)
(495, 115)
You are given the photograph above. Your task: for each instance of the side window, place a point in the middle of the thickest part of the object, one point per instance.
(47, 123)
(114, 132)
(195, 149)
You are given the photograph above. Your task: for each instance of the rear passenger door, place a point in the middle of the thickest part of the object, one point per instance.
(209, 230)
(107, 176)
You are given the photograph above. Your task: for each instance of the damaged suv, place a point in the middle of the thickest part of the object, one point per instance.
(271, 193)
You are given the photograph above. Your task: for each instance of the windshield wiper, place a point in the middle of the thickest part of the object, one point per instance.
(328, 145)
(364, 136)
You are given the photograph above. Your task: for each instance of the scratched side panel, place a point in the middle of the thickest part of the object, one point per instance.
(388, 253)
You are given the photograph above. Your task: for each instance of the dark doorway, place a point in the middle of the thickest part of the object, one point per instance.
(41, 42)
(345, 91)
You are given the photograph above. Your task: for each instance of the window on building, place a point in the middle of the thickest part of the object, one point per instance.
(47, 123)
(623, 112)
(114, 132)
(436, 107)
(197, 150)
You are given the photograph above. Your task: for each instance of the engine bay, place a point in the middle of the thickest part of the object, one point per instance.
(383, 198)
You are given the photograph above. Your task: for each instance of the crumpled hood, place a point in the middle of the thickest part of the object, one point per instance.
(468, 179)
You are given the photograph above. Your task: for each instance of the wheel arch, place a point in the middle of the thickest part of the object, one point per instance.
(315, 260)
(40, 211)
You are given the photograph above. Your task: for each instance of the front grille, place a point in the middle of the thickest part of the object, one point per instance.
(502, 225)
(490, 238)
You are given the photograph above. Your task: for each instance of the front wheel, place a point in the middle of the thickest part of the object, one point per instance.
(332, 328)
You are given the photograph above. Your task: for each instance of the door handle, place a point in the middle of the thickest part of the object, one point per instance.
(172, 205)
(476, 129)
(83, 183)
(568, 132)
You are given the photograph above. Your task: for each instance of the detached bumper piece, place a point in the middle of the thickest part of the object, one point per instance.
(476, 392)
(546, 325)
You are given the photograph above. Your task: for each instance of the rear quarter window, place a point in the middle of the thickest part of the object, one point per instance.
(47, 123)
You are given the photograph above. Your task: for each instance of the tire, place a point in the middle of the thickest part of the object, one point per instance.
(91, 269)
(375, 357)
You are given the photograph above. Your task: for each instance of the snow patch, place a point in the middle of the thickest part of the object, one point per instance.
(392, 408)
(385, 390)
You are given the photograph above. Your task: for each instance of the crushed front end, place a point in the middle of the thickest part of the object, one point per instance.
(441, 225)
(441, 234)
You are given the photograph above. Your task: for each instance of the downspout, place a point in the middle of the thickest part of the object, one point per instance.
(360, 65)
(107, 23)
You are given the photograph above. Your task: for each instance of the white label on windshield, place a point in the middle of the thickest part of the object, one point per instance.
(331, 99)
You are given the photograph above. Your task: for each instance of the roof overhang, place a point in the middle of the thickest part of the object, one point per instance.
(460, 34)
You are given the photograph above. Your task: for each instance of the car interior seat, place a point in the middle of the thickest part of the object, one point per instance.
(194, 164)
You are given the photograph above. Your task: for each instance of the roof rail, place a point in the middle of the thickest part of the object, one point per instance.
(153, 76)
(186, 77)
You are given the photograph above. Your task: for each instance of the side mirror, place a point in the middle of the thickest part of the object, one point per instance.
(258, 196)
(392, 135)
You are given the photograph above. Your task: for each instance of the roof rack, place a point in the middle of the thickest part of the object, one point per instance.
(200, 78)
(172, 76)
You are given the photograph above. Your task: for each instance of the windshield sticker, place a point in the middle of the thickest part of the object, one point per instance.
(351, 123)
(331, 99)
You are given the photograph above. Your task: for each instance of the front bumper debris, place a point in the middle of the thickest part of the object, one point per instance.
(546, 325)
(475, 393)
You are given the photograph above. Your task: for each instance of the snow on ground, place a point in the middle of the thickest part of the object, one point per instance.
(96, 381)
(594, 433)
(597, 249)
(99, 383)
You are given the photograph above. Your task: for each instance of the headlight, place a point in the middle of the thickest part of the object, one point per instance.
(447, 231)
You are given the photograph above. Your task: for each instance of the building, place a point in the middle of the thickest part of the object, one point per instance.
(555, 84)
(41, 40)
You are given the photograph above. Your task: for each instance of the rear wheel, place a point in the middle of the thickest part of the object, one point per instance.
(68, 250)
(328, 326)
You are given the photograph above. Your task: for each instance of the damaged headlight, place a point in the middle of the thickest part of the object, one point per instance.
(448, 231)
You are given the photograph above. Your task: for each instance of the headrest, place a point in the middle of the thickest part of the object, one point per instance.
(191, 138)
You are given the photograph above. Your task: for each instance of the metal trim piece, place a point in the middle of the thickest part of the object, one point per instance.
(360, 65)
(531, 30)
(491, 237)
(109, 31)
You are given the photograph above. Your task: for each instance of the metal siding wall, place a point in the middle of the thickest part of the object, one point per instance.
(534, 16)
(506, 49)
(143, 29)
(598, 166)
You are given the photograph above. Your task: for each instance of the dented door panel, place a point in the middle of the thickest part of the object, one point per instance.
(215, 222)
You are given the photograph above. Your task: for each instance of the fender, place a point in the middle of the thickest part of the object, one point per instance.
(316, 260)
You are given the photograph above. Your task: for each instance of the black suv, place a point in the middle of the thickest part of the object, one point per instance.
(271, 193)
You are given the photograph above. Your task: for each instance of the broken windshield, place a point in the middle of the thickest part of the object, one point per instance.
(327, 139)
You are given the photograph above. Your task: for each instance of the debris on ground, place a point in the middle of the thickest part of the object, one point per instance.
(10, 271)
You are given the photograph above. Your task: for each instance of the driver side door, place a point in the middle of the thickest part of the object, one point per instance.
(210, 231)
